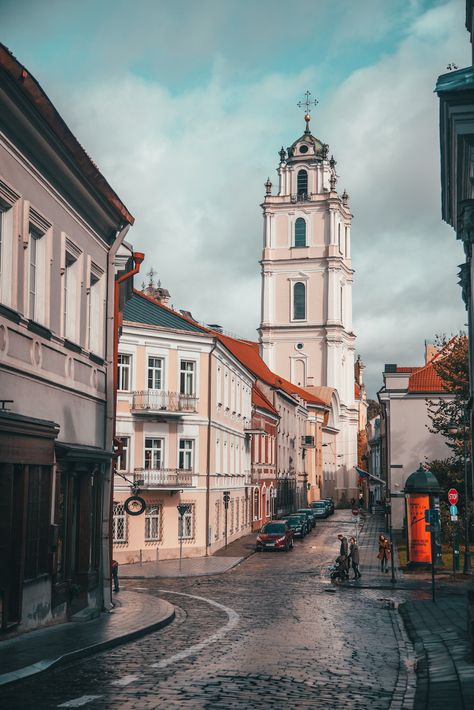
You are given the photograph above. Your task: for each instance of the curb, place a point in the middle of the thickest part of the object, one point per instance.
(49, 663)
(190, 576)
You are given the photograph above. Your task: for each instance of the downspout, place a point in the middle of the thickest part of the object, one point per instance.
(208, 453)
(112, 335)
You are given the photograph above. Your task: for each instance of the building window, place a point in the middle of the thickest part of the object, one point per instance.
(36, 276)
(299, 301)
(256, 504)
(122, 460)
(342, 304)
(300, 232)
(237, 514)
(124, 372)
(186, 524)
(6, 246)
(119, 523)
(231, 517)
(38, 519)
(155, 373)
(218, 519)
(71, 286)
(267, 502)
(153, 522)
(187, 378)
(302, 183)
(153, 454)
(185, 454)
(96, 312)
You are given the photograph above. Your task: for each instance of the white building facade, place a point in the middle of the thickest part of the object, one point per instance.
(306, 319)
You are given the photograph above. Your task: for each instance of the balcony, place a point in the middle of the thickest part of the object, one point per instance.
(163, 404)
(300, 197)
(165, 479)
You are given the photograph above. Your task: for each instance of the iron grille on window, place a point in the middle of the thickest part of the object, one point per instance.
(153, 522)
(186, 524)
(119, 523)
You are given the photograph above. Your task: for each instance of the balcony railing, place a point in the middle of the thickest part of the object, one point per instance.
(300, 197)
(173, 478)
(159, 401)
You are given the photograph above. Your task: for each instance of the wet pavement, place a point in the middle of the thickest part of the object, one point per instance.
(271, 632)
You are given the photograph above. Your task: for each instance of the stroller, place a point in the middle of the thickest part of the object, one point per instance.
(339, 571)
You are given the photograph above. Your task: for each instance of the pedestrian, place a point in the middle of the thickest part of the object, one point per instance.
(115, 575)
(361, 500)
(354, 557)
(344, 554)
(384, 553)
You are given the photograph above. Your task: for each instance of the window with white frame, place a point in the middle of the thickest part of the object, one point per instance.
(299, 301)
(123, 460)
(242, 508)
(37, 268)
(256, 504)
(225, 459)
(267, 502)
(187, 378)
(217, 507)
(96, 310)
(186, 454)
(71, 296)
(124, 364)
(226, 390)
(119, 523)
(155, 373)
(186, 524)
(231, 517)
(237, 514)
(218, 456)
(153, 457)
(153, 522)
(6, 252)
(219, 386)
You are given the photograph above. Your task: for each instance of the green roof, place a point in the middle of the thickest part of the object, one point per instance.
(460, 80)
(140, 309)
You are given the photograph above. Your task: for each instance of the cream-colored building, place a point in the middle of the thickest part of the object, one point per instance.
(183, 407)
(306, 330)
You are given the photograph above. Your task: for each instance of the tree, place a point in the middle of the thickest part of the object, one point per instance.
(448, 415)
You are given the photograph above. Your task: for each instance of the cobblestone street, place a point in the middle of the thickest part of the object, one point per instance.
(270, 632)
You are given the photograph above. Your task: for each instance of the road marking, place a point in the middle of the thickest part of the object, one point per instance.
(78, 702)
(126, 680)
(231, 624)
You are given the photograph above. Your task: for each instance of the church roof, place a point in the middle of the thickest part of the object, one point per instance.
(259, 400)
(309, 146)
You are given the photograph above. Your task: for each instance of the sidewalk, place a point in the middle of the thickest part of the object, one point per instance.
(37, 651)
(218, 563)
(438, 631)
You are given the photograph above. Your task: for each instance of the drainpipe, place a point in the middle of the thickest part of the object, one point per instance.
(208, 456)
(112, 334)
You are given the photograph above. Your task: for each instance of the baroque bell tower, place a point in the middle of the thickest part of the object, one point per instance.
(306, 332)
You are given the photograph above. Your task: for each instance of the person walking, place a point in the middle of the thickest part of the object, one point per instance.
(354, 557)
(115, 580)
(384, 553)
(344, 554)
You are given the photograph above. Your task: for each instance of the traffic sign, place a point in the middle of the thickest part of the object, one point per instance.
(355, 512)
(453, 496)
(354, 520)
(454, 519)
(453, 510)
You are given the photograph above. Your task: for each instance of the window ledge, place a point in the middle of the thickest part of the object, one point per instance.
(39, 329)
(72, 346)
(97, 359)
(9, 313)
(306, 246)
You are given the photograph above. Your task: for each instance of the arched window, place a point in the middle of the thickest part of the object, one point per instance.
(300, 232)
(256, 504)
(302, 183)
(299, 301)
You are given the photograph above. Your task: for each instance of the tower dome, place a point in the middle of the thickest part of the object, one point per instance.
(307, 146)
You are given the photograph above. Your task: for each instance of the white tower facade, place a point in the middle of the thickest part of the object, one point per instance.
(306, 320)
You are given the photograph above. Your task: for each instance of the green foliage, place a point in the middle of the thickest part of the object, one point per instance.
(448, 415)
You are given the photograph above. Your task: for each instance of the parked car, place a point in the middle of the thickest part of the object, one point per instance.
(276, 535)
(330, 503)
(309, 514)
(298, 524)
(320, 508)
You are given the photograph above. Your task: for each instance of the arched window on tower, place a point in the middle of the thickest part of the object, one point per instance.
(302, 183)
(300, 232)
(299, 301)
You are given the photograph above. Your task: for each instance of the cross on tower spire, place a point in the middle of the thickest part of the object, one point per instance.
(307, 103)
(151, 274)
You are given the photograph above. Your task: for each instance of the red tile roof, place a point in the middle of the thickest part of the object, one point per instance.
(259, 400)
(247, 352)
(408, 369)
(426, 379)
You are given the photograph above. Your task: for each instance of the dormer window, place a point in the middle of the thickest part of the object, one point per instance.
(302, 183)
(300, 232)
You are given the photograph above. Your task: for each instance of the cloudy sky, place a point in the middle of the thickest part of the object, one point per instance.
(184, 104)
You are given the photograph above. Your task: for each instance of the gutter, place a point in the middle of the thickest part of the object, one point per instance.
(208, 453)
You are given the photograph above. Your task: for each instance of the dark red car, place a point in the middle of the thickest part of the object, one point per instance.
(276, 535)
